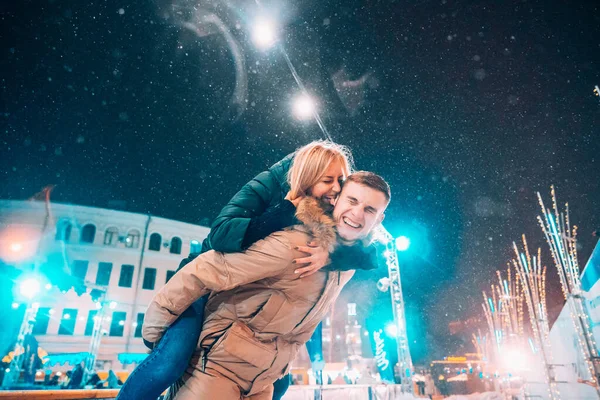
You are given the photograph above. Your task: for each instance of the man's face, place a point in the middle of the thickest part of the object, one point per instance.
(358, 210)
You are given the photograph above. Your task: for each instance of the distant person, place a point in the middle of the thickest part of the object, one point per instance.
(77, 376)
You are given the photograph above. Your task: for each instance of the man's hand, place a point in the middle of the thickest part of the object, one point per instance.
(317, 259)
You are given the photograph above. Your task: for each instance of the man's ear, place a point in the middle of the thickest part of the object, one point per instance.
(381, 218)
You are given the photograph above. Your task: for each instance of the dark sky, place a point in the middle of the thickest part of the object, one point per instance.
(467, 108)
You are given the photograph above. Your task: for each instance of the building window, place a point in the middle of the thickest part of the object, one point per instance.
(63, 231)
(175, 246)
(155, 241)
(117, 324)
(67, 322)
(79, 269)
(111, 236)
(149, 278)
(133, 239)
(126, 276)
(170, 275)
(42, 318)
(195, 247)
(103, 275)
(89, 325)
(88, 233)
(138, 325)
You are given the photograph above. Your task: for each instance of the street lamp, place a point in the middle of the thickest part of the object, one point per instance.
(29, 288)
(304, 107)
(16, 247)
(264, 33)
(391, 329)
(402, 243)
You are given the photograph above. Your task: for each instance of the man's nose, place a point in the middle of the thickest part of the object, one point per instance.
(357, 212)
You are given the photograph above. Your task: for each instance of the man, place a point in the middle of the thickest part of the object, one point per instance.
(259, 313)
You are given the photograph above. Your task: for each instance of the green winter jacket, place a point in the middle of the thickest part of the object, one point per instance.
(266, 189)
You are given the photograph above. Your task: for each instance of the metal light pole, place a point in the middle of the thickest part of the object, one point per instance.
(96, 338)
(395, 286)
(13, 371)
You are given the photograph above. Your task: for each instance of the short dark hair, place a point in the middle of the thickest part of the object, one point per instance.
(371, 180)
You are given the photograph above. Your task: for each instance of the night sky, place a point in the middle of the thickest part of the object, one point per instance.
(467, 108)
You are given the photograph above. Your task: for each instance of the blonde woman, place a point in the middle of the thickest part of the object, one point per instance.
(264, 205)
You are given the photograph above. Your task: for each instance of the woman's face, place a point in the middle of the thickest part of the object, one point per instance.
(330, 185)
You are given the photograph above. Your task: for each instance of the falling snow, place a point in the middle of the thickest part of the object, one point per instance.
(466, 109)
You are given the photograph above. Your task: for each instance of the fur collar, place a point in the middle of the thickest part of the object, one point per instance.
(317, 219)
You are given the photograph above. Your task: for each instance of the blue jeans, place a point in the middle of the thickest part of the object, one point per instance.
(169, 359)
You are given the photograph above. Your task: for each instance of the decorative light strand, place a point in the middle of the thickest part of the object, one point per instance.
(562, 240)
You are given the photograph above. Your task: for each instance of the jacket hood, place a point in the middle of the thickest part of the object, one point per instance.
(279, 171)
(317, 219)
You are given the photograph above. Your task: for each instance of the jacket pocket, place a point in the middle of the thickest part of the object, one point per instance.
(241, 355)
(268, 313)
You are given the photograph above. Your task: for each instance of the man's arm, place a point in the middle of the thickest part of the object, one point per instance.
(216, 272)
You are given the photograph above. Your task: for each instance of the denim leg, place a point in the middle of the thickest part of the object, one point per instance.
(169, 359)
(281, 386)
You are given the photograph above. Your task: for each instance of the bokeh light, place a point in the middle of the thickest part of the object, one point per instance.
(304, 107)
(29, 288)
(264, 33)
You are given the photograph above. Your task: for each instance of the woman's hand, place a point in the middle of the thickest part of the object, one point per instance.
(295, 201)
(318, 258)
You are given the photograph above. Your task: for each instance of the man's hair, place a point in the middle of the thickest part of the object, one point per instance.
(371, 180)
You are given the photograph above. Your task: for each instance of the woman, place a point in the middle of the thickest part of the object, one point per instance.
(264, 205)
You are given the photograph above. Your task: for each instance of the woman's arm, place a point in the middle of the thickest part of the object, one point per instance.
(229, 228)
(272, 220)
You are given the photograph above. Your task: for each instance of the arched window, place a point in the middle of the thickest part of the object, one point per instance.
(133, 239)
(111, 236)
(63, 231)
(155, 241)
(88, 233)
(195, 247)
(175, 246)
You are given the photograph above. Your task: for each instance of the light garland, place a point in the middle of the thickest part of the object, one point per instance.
(562, 240)
(533, 280)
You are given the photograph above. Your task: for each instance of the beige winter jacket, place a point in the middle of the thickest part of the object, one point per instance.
(259, 313)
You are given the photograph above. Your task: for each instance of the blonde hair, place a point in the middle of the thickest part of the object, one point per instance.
(311, 162)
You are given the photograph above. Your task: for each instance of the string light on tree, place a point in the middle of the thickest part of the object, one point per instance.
(533, 279)
(562, 240)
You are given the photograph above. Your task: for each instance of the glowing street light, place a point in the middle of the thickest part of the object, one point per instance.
(29, 288)
(391, 330)
(402, 243)
(264, 33)
(304, 107)
(16, 247)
